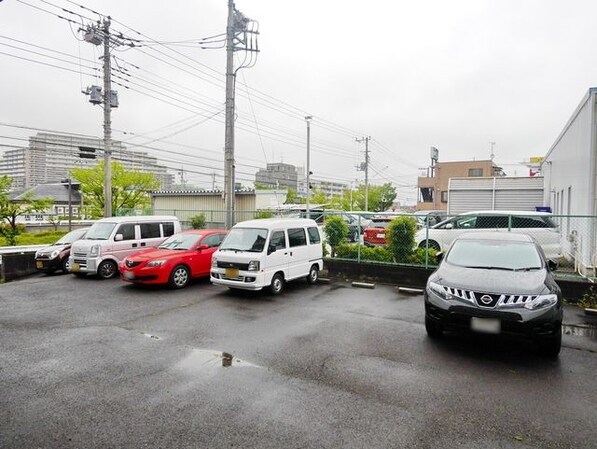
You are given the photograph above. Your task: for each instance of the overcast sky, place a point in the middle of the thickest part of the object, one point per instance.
(455, 75)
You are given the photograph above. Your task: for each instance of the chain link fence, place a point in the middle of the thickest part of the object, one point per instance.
(415, 239)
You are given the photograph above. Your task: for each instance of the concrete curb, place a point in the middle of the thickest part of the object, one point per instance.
(410, 291)
(363, 285)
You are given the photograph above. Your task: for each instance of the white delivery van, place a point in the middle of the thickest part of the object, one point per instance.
(267, 253)
(111, 239)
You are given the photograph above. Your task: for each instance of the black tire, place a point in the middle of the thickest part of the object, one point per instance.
(107, 269)
(355, 236)
(550, 346)
(432, 245)
(277, 285)
(180, 277)
(434, 330)
(65, 266)
(313, 275)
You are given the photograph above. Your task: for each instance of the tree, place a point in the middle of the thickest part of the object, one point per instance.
(291, 197)
(380, 198)
(129, 187)
(11, 209)
(198, 221)
(318, 197)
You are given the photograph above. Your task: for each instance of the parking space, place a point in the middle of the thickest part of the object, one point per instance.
(96, 364)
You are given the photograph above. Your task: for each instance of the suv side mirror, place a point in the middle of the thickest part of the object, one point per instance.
(202, 247)
(439, 257)
(552, 265)
(118, 238)
(449, 226)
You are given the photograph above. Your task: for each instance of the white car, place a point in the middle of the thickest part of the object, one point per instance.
(537, 224)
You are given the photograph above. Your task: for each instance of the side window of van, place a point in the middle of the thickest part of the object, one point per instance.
(313, 235)
(297, 237)
(150, 230)
(127, 230)
(278, 240)
(529, 222)
(168, 228)
(492, 221)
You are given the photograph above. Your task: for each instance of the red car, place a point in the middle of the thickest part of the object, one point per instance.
(180, 258)
(375, 233)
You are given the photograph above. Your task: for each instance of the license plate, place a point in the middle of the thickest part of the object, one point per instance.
(39, 264)
(231, 272)
(128, 275)
(75, 267)
(381, 236)
(486, 325)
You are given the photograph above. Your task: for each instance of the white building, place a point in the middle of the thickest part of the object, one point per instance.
(49, 157)
(570, 171)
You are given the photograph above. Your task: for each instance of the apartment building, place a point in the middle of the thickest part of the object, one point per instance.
(49, 157)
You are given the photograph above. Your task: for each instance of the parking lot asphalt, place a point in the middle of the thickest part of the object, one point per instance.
(87, 363)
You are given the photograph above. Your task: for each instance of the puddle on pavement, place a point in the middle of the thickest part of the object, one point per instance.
(581, 331)
(207, 360)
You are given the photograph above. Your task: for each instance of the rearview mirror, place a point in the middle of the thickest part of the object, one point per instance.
(202, 247)
(552, 264)
(118, 237)
(439, 257)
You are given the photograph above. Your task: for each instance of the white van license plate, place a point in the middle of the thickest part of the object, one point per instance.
(75, 267)
(231, 272)
(486, 325)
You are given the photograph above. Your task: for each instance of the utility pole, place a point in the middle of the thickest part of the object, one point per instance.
(491, 156)
(229, 138)
(365, 167)
(107, 122)
(96, 35)
(308, 193)
(241, 35)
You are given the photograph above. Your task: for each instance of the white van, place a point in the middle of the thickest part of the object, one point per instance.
(267, 253)
(111, 239)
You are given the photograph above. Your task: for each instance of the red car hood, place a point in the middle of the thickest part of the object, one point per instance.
(156, 253)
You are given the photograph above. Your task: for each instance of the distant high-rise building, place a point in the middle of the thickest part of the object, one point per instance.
(278, 175)
(49, 157)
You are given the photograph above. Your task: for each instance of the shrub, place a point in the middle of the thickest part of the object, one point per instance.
(336, 230)
(198, 221)
(419, 257)
(375, 254)
(264, 214)
(400, 236)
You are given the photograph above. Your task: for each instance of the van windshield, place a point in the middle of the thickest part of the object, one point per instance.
(245, 239)
(100, 231)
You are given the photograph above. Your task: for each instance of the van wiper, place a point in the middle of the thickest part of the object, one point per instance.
(231, 249)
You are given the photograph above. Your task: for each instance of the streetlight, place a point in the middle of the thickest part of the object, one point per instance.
(308, 119)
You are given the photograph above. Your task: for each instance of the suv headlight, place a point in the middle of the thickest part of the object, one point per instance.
(253, 265)
(156, 263)
(54, 254)
(95, 250)
(541, 302)
(214, 262)
(439, 290)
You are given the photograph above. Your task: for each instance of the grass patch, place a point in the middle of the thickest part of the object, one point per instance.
(36, 238)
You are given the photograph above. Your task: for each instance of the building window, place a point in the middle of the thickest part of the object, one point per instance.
(444, 196)
(60, 210)
(475, 172)
(427, 194)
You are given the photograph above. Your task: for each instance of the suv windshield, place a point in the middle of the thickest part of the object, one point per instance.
(494, 254)
(245, 239)
(100, 231)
